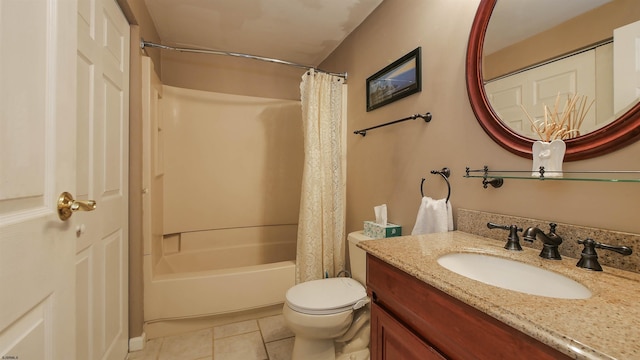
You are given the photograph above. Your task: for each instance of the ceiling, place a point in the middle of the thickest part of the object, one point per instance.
(307, 31)
(301, 31)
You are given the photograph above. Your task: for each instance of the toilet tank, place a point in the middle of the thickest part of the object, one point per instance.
(357, 257)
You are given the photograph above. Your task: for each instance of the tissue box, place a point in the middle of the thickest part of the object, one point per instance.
(377, 231)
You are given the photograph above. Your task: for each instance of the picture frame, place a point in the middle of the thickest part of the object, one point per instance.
(401, 78)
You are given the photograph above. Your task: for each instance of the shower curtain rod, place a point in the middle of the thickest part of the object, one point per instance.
(144, 44)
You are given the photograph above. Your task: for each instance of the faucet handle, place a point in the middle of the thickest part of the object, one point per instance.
(552, 228)
(589, 257)
(513, 241)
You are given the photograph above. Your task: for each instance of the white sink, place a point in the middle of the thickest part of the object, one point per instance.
(514, 275)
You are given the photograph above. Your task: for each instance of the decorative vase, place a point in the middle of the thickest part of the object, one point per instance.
(548, 155)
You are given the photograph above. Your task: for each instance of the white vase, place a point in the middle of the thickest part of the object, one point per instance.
(549, 155)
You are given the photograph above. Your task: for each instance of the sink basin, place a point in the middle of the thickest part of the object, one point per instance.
(513, 275)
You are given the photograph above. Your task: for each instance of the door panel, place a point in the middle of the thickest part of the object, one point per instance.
(102, 142)
(392, 340)
(37, 129)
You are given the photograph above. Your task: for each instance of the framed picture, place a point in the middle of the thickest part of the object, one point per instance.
(401, 78)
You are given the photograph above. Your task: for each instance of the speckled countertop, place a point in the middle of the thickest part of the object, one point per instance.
(605, 326)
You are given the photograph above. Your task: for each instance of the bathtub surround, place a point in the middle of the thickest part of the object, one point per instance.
(180, 294)
(213, 247)
(230, 161)
(321, 225)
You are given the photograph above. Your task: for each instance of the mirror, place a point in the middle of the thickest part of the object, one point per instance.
(623, 130)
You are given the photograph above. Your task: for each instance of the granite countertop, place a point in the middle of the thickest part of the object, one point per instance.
(604, 326)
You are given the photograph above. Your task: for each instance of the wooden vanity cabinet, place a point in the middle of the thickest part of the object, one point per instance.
(413, 320)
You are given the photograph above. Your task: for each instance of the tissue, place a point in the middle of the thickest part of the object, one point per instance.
(381, 228)
(381, 214)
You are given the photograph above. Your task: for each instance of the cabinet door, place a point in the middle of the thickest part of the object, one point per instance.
(393, 341)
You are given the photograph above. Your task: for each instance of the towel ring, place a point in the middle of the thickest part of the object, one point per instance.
(445, 173)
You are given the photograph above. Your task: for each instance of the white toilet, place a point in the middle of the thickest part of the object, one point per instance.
(330, 317)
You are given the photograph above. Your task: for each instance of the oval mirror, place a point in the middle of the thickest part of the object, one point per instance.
(620, 129)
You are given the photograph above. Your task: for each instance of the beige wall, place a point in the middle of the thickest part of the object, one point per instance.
(141, 28)
(587, 29)
(135, 188)
(137, 13)
(386, 166)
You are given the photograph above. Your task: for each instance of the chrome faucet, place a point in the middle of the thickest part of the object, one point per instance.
(550, 241)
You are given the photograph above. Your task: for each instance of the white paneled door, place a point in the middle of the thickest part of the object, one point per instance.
(37, 144)
(102, 173)
(63, 282)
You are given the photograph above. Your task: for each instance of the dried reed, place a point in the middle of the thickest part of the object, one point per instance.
(561, 123)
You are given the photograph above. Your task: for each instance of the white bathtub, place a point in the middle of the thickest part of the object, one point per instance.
(203, 274)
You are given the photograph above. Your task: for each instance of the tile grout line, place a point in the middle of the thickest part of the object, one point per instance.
(264, 343)
(213, 343)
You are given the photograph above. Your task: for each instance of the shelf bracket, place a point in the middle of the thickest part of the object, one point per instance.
(495, 182)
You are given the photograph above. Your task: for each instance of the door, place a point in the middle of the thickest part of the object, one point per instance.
(68, 278)
(101, 175)
(37, 152)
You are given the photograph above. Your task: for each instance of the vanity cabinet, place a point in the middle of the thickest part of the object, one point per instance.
(391, 340)
(413, 320)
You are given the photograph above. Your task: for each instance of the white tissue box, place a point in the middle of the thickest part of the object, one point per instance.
(377, 231)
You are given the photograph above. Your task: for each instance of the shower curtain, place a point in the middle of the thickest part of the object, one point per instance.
(321, 225)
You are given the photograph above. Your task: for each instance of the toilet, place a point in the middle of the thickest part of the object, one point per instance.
(330, 317)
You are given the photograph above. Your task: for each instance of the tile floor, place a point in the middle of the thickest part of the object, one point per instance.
(262, 339)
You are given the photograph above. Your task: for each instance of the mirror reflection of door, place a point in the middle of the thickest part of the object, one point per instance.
(543, 86)
(626, 72)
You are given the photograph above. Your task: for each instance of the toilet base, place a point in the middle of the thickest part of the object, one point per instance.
(356, 348)
(313, 349)
(356, 355)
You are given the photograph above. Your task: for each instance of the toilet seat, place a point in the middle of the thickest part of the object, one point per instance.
(327, 296)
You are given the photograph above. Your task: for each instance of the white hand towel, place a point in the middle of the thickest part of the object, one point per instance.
(433, 216)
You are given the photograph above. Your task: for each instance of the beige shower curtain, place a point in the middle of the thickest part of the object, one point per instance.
(321, 227)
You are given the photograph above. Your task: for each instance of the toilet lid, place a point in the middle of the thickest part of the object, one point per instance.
(327, 296)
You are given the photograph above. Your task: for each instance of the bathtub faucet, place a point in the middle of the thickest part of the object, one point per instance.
(550, 241)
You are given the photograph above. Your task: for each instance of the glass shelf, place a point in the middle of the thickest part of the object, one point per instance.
(597, 175)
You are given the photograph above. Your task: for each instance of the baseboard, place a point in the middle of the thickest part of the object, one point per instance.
(137, 343)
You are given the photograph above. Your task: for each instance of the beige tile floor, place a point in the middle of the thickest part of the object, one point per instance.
(266, 338)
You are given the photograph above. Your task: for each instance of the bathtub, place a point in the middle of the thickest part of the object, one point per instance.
(219, 272)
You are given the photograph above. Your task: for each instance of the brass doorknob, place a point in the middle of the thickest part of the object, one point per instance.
(67, 205)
